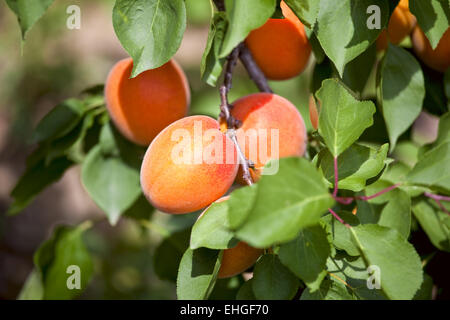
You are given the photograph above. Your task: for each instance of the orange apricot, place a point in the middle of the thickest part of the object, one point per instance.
(437, 59)
(400, 25)
(237, 259)
(189, 165)
(271, 128)
(142, 106)
(280, 47)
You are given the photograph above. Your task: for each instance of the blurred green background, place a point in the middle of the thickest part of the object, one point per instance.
(58, 63)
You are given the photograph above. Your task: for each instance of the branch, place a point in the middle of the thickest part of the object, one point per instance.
(253, 70)
(225, 114)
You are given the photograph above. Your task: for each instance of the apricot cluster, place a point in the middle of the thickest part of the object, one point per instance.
(191, 161)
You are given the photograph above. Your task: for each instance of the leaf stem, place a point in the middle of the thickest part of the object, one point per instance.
(339, 218)
(438, 198)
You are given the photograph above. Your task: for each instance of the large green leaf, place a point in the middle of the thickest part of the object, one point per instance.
(28, 12)
(434, 222)
(433, 17)
(54, 258)
(272, 280)
(306, 255)
(211, 66)
(356, 165)
(197, 273)
(33, 289)
(210, 232)
(402, 91)
(239, 205)
(149, 30)
(243, 17)
(400, 267)
(111, 183)
(342, 28)
(286, 202)
(342, 118)
(306, 10)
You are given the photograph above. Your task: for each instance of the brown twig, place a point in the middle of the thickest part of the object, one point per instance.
(225, 114)
(253, 70)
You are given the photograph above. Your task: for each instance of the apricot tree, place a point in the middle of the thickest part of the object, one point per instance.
(325, 205)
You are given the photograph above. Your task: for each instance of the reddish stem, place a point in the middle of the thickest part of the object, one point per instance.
(338, 218)
(438, 198)
(366, 198)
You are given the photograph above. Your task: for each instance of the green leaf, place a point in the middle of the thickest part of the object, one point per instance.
(209, 231)
(329, 290)
(111, 183)
(246, 291)
(342, 118)
(286, 202)
(33, 289)
(305, 10)
(342, 29)
(356, 165)
(169, 253)
(240, 204)
(272, 280)
(243, 17)
(306, 256)
(342, 238)
(400, 267)
(433, 17)
(197, 273)
(434, 222)
(59, 121)
(35, 179)
(433, 168)
(357, 71)
(355, 274)
(402, 91)
(28, 12)
(141, 209)
(212, 65)
(396, 214)
(64, 249)
(444, 130)
(426, 290)
(149, 30)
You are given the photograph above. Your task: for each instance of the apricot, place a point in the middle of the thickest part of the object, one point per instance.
(437, 59)
(237, 259)
(271, 128)
(280, 47)
(142, 106)
(400, 25)
(189, 165)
